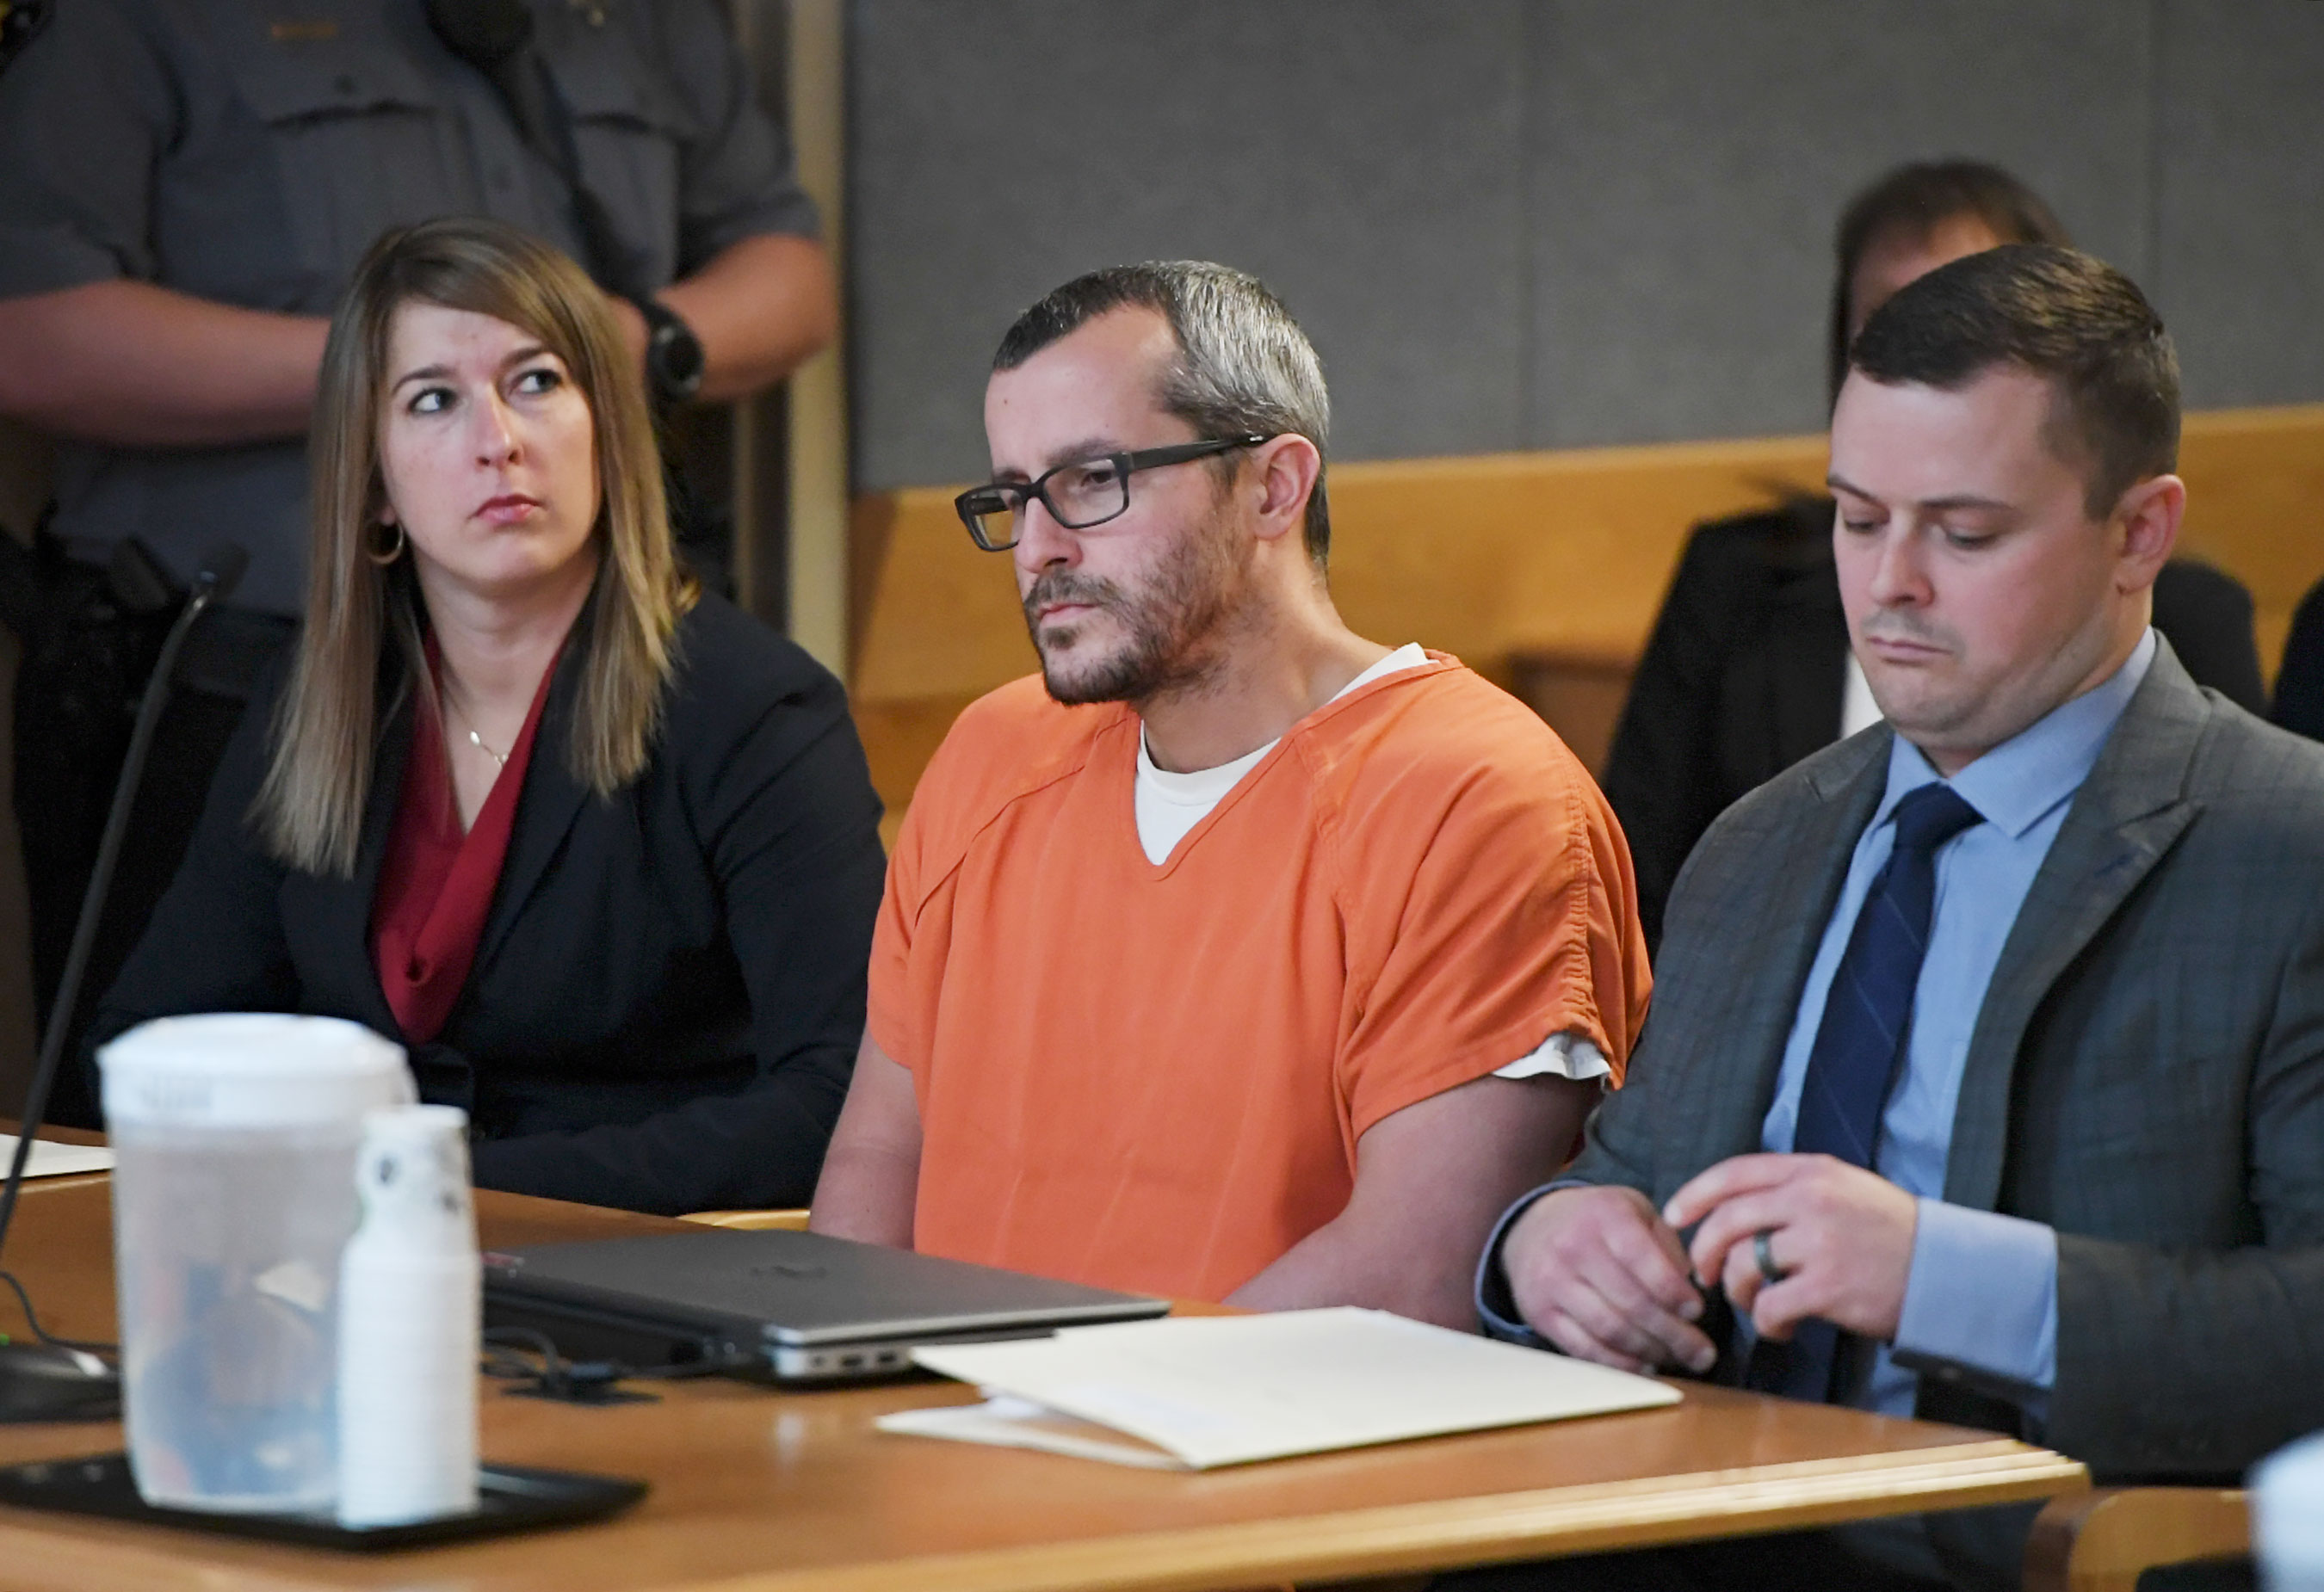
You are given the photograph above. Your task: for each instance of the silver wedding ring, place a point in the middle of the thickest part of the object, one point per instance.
(1763, 1250)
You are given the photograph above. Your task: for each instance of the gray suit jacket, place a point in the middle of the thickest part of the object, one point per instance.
(2146, 1074)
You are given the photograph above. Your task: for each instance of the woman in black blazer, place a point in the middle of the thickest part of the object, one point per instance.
(601, 852)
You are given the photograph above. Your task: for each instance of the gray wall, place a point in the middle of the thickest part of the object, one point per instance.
(1513, 223)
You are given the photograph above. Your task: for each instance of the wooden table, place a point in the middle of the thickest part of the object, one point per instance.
(756, 1491)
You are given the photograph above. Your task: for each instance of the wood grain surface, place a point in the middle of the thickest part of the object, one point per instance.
(758, 1491)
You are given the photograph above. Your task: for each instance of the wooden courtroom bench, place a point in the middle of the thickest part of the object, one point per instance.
(2105, 1540)
(1541, 570)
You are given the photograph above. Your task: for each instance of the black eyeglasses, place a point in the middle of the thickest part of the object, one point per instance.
(1078, 493)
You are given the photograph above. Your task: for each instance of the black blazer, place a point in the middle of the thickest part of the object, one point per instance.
(667, 999)
(1746, 671)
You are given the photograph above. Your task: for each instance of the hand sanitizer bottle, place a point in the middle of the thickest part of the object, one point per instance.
(410, 1324)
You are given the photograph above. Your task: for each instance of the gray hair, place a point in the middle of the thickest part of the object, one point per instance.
(1243, 363)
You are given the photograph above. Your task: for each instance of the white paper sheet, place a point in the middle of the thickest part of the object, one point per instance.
(1006, 1422)
(51, 1159)
(1204, 1391)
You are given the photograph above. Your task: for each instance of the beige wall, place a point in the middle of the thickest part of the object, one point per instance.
(1518, 224)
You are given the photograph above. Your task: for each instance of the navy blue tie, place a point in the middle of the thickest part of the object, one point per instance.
(1859, 1045)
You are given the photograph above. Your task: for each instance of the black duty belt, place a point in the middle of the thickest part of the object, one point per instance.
(48, 595)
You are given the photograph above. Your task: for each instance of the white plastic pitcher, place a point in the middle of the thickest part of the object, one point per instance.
(235, 1141)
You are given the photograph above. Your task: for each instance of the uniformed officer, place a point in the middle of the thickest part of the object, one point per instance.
(185, 187)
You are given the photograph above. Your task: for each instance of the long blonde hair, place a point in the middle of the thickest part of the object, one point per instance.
(326, 727)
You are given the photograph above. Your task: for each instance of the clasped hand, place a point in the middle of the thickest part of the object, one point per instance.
(1603, 1274)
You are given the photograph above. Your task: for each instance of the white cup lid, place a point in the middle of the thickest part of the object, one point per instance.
(250, 1070)
(2288, 1508)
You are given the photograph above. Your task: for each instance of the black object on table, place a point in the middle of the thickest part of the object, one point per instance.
(509, 1498)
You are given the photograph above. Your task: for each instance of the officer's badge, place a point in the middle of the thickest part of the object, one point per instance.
(19, 20)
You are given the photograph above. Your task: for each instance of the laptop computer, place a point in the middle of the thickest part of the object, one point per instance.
(781, 1306)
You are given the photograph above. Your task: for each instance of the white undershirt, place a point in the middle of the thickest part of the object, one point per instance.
(1169, 806)
(1857, 711)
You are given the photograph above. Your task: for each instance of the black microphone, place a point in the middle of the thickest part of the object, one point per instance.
(53, 1379)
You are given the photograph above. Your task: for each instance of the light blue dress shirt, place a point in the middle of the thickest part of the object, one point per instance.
(1982, 1291)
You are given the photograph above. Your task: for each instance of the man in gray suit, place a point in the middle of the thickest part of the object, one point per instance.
(1985, 1075)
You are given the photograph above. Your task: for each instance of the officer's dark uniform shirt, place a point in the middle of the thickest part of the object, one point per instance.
(248, 152)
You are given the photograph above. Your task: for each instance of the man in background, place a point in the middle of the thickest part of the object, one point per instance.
(1235, 956)
(1749, 670)
(185, 188)
(1986, 1077)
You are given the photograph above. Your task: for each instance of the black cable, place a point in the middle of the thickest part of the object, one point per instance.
(581, 1380)
(33, 1321)
(500, 1362)
(540, 1343)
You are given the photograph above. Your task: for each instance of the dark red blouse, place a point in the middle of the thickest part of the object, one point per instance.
(435, 884)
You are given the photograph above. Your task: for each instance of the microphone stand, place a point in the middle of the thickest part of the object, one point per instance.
(53, 1378)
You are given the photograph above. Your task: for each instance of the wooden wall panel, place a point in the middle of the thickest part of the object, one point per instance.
(2256, 506)
(1564, 554)
(1480, 556)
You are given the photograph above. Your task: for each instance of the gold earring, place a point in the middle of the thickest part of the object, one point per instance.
(384, 557)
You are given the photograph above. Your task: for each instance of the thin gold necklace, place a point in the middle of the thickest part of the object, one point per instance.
(477, 741)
